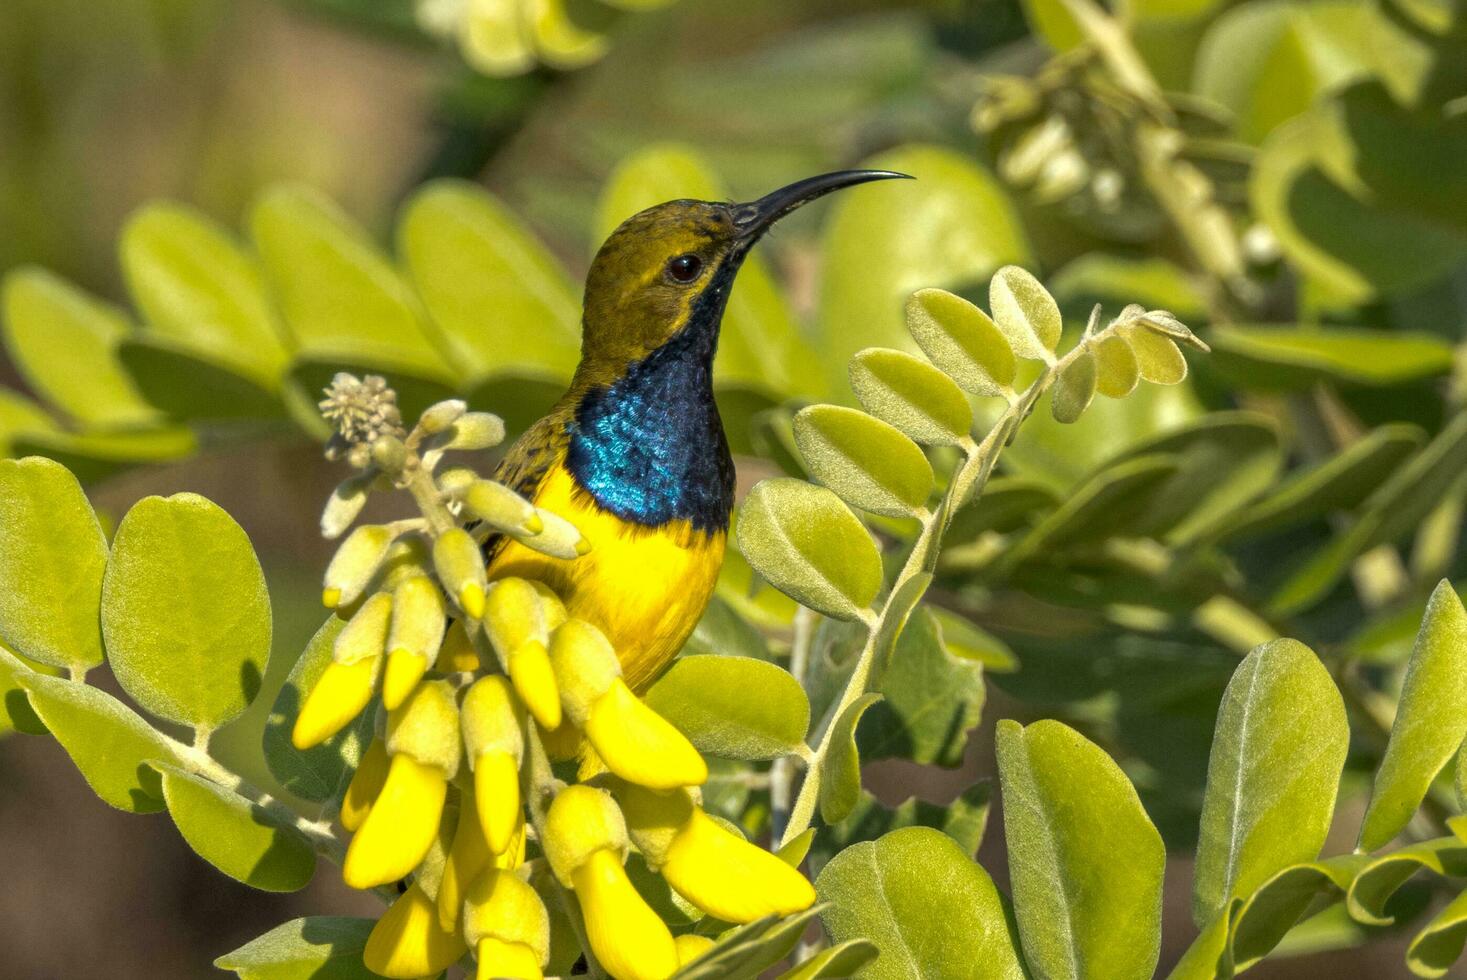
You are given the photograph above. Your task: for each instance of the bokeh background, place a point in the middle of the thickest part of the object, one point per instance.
(1299, 165)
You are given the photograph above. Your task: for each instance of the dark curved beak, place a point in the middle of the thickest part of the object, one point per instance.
(753, 219)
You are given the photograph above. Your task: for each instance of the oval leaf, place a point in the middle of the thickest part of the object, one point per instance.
(1085, 859)
(810, 546)
(962, 341)
(707, 698)
(52, 559)
(1025, 312)
(925, 904)
(109, 743)
(1158, 358)
(1439, 945)
(185, 612)
(1116, 371)
(843, 960)
(1431, 720)
(320, 773)
(236, 836)
(1277, 753)
(1074, 389)
(912, 395)
(315, 948)
(865, 460)
(840, 782)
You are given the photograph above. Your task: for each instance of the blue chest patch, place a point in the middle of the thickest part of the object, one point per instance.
(650, 447)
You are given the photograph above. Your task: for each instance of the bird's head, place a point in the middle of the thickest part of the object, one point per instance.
(669, 269)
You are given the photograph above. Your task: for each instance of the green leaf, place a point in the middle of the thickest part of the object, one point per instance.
(840, 782)
(965, 641)
(962, 341)
(94, 455)
(912, 395)
(18, 415)
(1025, 313)
(52, 559)
(951, 227)
(236, 836)
(1158, 358)
(1262, 921)
(504, 304)
(843, 960)
(185, 611)
(1117, 280)
(1338, 483)
(319, 774)
(869, 463)
(1085, 861)
(1075, 388)
(1431, 720)
(759, 346)
(1116, 370)
(107, 741)
(314, 948)
(709, 700)
(342, 299)
(964, 820)
(1371, 891)
(925, 904)
(931, 699)
(196, 385)
(746, 952)
(196, 287)
(64, 342)
(16, 713)
(1436, 947)
(810, 547)
(1277, 752)
(1294, 358)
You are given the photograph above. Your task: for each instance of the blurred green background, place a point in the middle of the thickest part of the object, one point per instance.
(1288, 177)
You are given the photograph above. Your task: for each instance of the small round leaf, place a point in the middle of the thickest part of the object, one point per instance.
(185, 611)
(865, 460)
(962, 341)
(809, 545)
(912, 395)
(707, 699)
(1025, 312)
(1074, 388)
(1157, 358)
(1116, 370)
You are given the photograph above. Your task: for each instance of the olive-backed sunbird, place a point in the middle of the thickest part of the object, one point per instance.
(634, 453)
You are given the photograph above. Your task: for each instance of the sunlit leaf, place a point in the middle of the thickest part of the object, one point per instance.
(962, 341)
(1085, 860)
(912, 395)
(52, 559)
(1436, 947)
(746, 952)
(1297, 358)
(1157, 358)
(1277, 753)
(314, 948)
(840, 784)
(1369, 895)
(1075, 387)
(843, 960)
(869, 463)
(185, 611)
(708, 699)
(924, 903)
(1025, 312)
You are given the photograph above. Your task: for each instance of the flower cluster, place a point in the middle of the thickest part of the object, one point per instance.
(482, 683)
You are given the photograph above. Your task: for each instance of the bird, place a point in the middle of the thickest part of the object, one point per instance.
(634, 453)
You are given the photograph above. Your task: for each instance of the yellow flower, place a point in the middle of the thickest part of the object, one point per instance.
(345, 687)
(409, 942)
(423, 743)
(457, 654)
(416, 633)
(691, 946)
(506, 925)
(354, 564)
(586, 845)
(493, 734)
(709, 865)
(468, 856)
(460, 568)
(366, 783)
(635, 742)
(516, 618)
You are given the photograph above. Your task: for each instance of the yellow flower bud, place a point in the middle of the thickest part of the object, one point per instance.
(497, 798)
(457, 655)
(426, 727)
(690, 946)
(468, 856)
(628, 938)
(506, 923)
(407, 558)
(338, 696)
(493, 734)
(500, 507)
(399, 829)
(366, 783)
(709, 865)
(346, 503)
(440, 415)
(564, 743)
(475, 430)
(408, 941)
(581, 821)
(550, 605)
(460, 568)
(365, 635)
(632, 740)
(558, 538)
(417, 632)
(514, 614)
(534, 682)
(354, 564)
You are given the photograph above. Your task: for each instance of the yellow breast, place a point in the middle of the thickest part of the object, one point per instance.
(645, 588)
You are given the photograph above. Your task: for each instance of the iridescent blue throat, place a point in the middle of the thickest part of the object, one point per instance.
(650, 447)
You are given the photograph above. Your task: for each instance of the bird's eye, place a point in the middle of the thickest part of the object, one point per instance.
(685, 268)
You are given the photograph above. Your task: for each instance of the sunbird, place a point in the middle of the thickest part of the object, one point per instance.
(634, 453)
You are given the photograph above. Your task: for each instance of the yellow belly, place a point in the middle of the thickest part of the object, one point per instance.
(645, 588)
